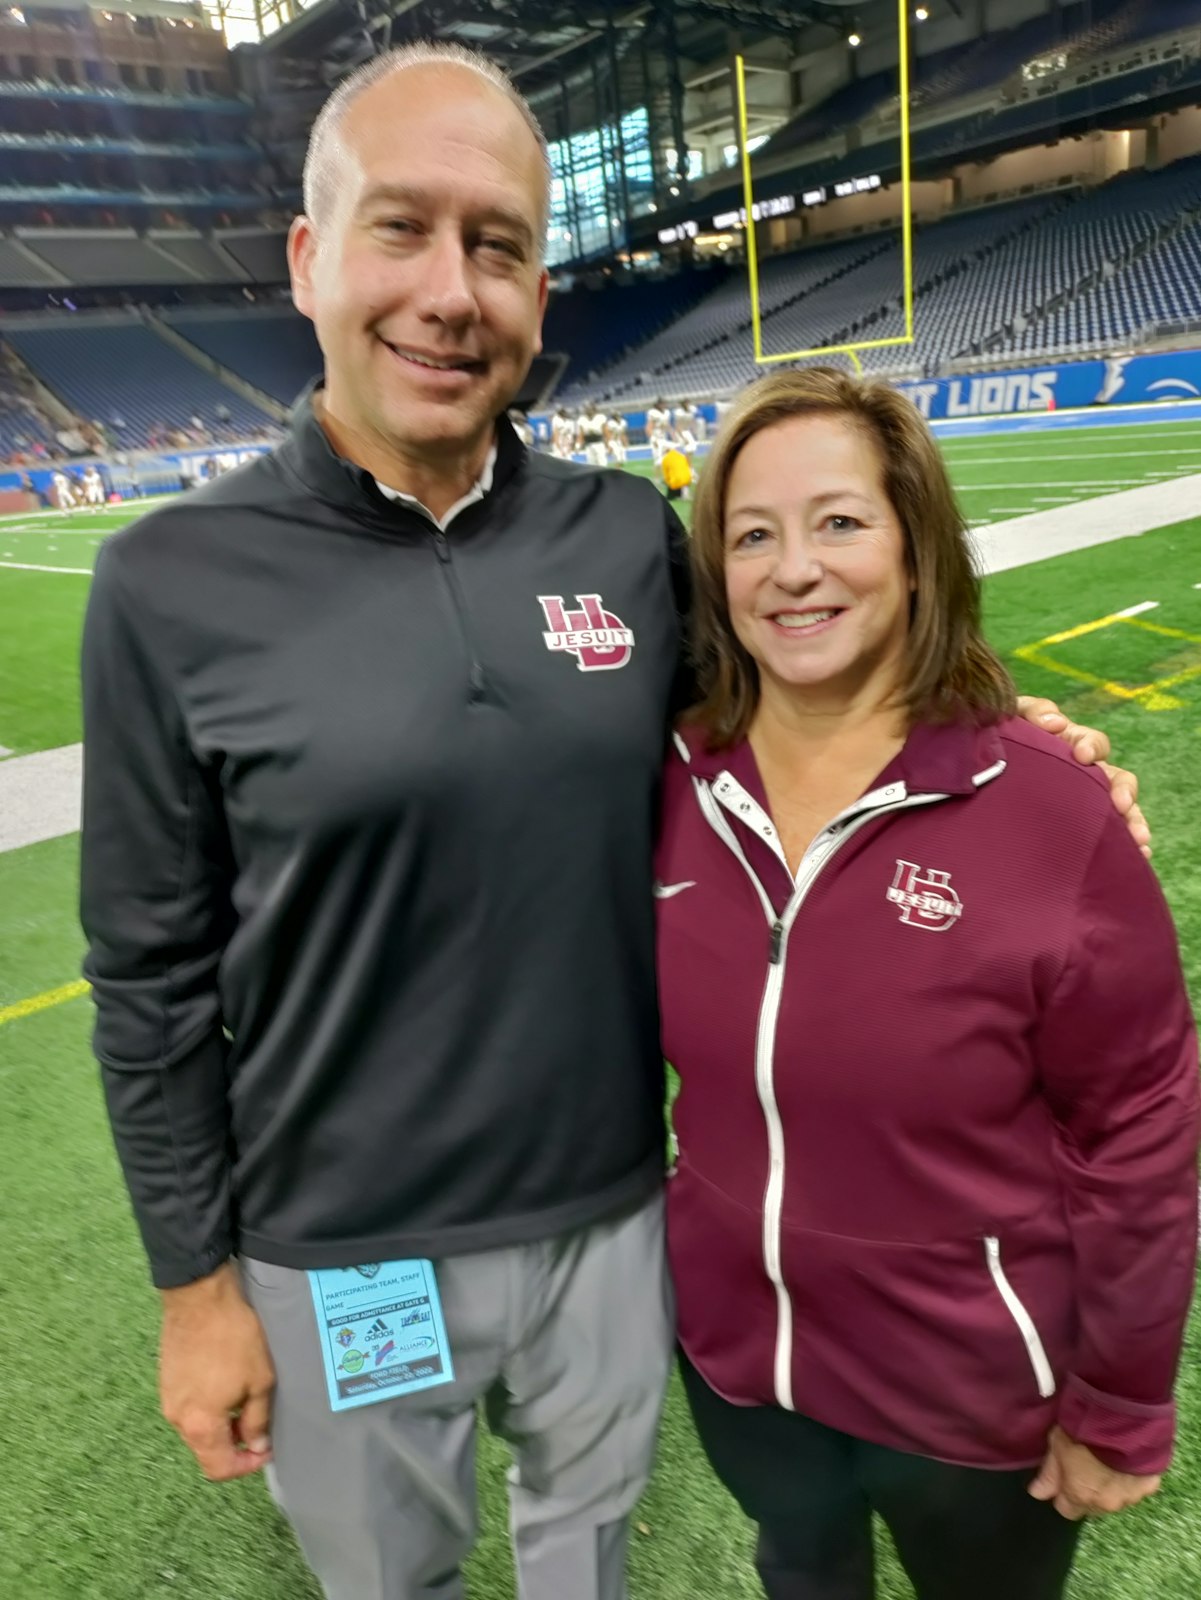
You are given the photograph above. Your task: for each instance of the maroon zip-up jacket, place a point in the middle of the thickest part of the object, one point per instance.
(938, 1128)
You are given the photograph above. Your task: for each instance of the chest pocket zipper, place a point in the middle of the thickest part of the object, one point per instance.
(1044, 1377)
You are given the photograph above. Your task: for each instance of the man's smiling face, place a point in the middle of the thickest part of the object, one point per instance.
(423, 276)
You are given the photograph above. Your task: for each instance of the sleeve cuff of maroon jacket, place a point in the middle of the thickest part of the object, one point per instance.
(1126, 1435)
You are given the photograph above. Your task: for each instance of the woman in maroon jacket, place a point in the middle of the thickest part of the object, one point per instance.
(933, 1225)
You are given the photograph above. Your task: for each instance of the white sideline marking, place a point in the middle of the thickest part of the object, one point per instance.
(1018, 541)
(26, 566)
(1133, 611)
(39, 796)
(10, 517)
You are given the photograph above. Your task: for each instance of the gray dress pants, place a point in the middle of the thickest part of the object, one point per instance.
(566, 1345)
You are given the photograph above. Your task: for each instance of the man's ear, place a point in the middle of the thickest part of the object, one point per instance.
(302, 257)
(543, 295)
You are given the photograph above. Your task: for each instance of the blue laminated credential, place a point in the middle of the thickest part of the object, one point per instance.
(381, 1329)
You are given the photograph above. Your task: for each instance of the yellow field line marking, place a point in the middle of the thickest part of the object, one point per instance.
(43, 1002)
(1151, 696)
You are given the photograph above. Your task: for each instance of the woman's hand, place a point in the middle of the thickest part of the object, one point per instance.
(1081, 1485)
(1090, 747)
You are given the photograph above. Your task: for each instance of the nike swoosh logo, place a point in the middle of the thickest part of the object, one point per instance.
(666, 891)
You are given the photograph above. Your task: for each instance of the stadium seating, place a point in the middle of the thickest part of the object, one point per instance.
(1059, 273)
(596, 327)
(1048, 251)
(21, 423)
(1164, 16)
(113, 369)
(1075, 31)
(716, 327)
(275, 348)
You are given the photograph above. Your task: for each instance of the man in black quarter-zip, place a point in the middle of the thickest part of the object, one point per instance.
(374, 729)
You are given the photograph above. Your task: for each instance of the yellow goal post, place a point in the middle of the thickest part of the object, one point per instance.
(752, 251)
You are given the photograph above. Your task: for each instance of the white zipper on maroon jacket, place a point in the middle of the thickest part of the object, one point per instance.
(831, 839)
(1043, 1375)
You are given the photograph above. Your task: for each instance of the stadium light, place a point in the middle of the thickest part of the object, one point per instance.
(854, 40)
(675, 189)
(921, 14)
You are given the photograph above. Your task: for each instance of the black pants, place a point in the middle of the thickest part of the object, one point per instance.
(962, 1533)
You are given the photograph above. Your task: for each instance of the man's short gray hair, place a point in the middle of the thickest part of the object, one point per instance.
(320, 164)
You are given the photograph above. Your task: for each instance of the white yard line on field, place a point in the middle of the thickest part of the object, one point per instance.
(1134, 611)
(39, 796)
(1043, 483)
(1037, 457)
(58, 533)
(28, 566)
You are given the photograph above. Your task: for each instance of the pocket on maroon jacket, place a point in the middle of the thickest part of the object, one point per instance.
(727, 1312)
(926, 1347)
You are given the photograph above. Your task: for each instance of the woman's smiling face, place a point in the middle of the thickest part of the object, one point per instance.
(817, 580)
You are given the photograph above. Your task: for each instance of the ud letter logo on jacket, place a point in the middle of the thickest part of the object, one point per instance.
(595, 637)
(926, 898)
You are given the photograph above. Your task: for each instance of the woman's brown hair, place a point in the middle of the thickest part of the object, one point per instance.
(950, 672)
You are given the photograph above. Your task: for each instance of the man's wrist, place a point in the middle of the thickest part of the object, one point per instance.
(212, 1288)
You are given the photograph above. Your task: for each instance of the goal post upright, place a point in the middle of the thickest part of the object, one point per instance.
(752, 249)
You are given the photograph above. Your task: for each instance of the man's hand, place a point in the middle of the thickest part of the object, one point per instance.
(216, 1376)
(1091, 747)
(1082, 1486)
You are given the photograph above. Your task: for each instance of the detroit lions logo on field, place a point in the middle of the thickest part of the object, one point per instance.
(597, 639)
(926, 899)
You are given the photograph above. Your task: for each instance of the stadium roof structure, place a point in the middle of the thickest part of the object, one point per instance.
(536, 40)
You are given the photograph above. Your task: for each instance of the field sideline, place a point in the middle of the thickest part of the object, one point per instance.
(99, 1502)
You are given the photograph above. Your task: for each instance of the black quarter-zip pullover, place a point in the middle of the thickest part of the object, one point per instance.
(368, 817)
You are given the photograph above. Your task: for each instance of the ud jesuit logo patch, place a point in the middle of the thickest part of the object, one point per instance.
(597, 639)
(926, 899)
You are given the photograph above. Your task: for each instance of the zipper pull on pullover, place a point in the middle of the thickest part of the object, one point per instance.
(777, 942)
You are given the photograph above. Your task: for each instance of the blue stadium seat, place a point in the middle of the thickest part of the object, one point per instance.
(275, 348)
(112, 371)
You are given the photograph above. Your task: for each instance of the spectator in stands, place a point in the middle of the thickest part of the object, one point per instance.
(933, 1230)
(424, 837)
(71, 440)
